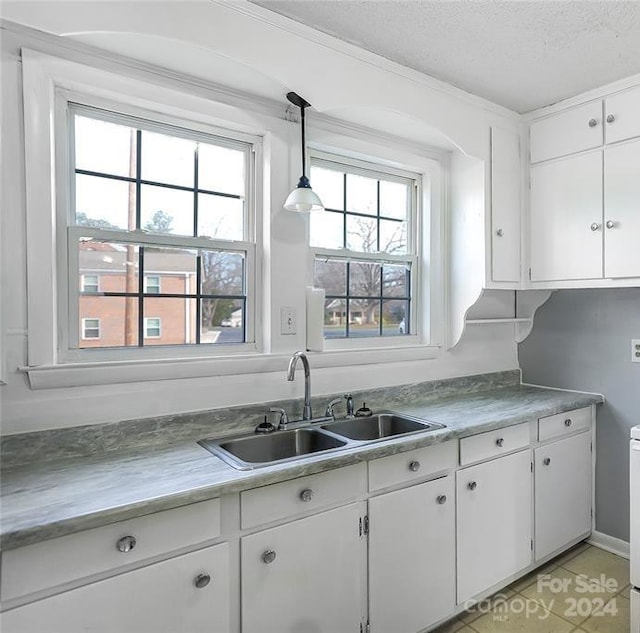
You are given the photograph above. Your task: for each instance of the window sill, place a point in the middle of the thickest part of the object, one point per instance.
(115, 372)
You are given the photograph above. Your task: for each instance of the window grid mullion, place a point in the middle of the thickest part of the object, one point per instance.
(199, 297)
(195, 191)
(141, 296)
(378, 215)
(344, 210)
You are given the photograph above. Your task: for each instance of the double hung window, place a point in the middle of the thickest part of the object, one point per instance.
(160, 231)
(365, 248)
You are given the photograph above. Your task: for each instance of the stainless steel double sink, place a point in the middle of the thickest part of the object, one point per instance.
(255, 451)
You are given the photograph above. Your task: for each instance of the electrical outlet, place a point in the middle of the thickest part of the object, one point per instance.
(288, 320)
(635, 350)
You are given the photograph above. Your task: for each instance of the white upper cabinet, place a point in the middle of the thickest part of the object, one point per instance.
(585, 194)
(505, 206)
(566, 133)
(566, 218)
(622, 210)
(622, 116)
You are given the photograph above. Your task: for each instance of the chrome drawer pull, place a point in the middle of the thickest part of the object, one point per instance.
(126, 544)
(414, 467)
(306, 495)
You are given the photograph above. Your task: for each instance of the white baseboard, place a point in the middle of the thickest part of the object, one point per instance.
(609, 543)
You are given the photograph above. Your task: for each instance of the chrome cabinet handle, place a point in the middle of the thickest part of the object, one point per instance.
(499, 232)
(442, 499)
(593, 122)
(472, 485)
(306, 494)
(595, 226)
(568, 422)
(546, 461)
(268, 557)
(126, 544)
(611, 118)
(202, 580)
(414, 467)
(610, 224)
(500, 442)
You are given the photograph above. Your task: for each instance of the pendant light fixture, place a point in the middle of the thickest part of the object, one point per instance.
(302, 198)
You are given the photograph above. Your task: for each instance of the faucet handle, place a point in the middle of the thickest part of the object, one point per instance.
(329, 411)
(349, 398)
(284, 418)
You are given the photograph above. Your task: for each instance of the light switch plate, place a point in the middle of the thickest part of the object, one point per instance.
(288, 320)
(635, 350)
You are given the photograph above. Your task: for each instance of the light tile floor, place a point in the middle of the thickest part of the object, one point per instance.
(585, 590)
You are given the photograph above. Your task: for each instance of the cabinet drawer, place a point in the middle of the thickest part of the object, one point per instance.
(564, 423)
(494, 443)
(57, 561)
(159, 598)
(412, 465)
(293, 497)
(567, 133)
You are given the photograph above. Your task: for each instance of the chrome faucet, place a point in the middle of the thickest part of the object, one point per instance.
(291, 373)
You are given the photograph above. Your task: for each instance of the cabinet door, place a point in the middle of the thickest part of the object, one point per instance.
(505, 205)
(308, 575)
(566, 200)
(563, 493)
(624, 107)
(494, 522)
(161, 598)
(622, 210)
(412, 557)
(566, 133)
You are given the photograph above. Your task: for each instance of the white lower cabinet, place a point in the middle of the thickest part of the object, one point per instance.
(494, 522)
(563, 493)
(412, 557)
(306, 576)
(166, 597)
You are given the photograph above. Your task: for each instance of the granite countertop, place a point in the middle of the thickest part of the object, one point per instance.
(44, 500)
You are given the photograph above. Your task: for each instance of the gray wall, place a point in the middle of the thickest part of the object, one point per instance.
(581, 340)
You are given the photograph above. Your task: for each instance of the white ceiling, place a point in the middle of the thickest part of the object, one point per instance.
(522, 54)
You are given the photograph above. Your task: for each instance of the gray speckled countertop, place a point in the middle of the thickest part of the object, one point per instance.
(43, 500)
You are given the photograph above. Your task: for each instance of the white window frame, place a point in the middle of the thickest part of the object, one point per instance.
(84, 282)
(158, 285)
(419, 335)
(146, 327)
(49, 84)
(84, 329)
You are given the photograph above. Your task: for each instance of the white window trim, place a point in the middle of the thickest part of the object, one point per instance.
(48, 84)
(43, 73)
(84, 329)
(146, 327)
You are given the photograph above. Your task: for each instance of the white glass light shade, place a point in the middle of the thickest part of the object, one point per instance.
(303, 199)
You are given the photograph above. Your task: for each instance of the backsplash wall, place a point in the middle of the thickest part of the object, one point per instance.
(582, 340)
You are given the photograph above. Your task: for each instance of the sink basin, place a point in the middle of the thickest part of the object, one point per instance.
(262, 450)
(380, 426)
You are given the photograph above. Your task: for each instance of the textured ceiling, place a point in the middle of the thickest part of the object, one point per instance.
(521, 54)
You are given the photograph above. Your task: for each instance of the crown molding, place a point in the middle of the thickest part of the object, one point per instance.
(308, 33)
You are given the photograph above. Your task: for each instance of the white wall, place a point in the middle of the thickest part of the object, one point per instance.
(252, 52)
